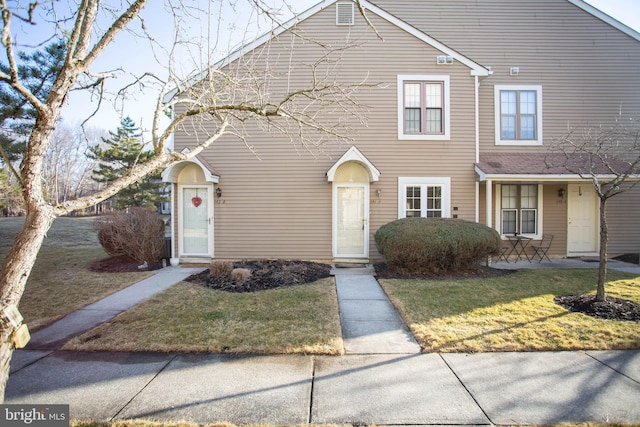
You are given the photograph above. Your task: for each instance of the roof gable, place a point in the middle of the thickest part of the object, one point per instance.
(475, 68)
(606, 18)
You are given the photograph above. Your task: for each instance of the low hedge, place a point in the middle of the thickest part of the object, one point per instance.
(435, 245)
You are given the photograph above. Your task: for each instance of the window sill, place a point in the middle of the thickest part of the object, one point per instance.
(519, 143)
(424, 137)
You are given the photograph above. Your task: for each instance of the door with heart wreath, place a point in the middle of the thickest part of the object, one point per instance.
(196, 229)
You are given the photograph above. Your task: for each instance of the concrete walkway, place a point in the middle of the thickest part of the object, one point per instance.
(87, 318)
(370, 323)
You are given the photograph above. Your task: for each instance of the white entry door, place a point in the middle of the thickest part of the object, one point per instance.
(582, 220)
(351, 221)
(196, 225)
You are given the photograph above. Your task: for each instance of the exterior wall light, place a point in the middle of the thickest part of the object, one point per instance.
(218, 192)
(561, 193)
(379, 192)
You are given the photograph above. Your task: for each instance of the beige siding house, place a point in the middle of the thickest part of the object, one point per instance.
(464, 100)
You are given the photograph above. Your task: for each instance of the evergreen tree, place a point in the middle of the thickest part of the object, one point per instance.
(122, 151)
(37, 71)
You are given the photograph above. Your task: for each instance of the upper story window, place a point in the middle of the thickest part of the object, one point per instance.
(518, 115)
(424, 197)
(423, 107)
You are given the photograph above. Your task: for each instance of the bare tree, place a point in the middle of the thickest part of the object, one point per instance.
(221, 100)
(67, 169)
(607, 156)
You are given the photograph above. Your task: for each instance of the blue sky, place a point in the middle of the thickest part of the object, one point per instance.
(625, 11)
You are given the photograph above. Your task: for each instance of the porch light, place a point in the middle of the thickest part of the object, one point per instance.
(218, 192)
(379, 192)
(561, 193)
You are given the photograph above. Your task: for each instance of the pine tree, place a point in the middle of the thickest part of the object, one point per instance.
(122, 151)
(37, 70)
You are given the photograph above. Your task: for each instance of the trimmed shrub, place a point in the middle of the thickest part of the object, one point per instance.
(137, 233)
(220, 268)
(435, 245)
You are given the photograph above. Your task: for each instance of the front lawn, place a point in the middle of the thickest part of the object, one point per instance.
(191, 318)
(515, 312)
(60, 281)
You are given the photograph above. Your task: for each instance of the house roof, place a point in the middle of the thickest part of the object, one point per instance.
(545, 166)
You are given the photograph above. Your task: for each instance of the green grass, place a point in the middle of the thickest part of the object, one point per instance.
(512, 313)
(191, 318)
(60, 281)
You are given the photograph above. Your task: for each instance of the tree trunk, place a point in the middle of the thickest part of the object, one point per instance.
(15, 273)
(604, 236)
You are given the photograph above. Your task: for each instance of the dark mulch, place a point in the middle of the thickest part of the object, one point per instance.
(265, 274)
(611, 309)
(630, 258)
(121, 264)
(384, 272)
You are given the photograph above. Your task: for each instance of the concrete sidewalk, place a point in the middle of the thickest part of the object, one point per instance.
(80, 321)
(420, 389)
(400, 386)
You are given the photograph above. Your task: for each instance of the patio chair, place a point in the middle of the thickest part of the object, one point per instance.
(505, 251)
(541, 249)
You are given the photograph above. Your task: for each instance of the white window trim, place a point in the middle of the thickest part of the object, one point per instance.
(446, 135)
(443, 182)
(498, 212)
(498, 126)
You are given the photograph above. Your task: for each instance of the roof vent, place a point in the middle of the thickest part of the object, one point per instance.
(344, 13)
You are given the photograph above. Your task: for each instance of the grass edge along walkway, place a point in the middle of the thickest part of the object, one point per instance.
(515, 312)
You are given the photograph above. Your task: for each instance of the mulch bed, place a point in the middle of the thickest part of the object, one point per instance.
(630, 258)
(265, 274)
(611, 309)
(121, 264)
(383, 272)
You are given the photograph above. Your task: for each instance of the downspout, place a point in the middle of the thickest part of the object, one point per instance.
(477, 125)
(477, 114)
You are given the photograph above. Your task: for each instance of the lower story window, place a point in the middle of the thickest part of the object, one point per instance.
(519, 209)
(423, 197)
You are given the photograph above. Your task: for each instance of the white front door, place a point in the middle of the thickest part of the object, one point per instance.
(351, 221)
(582, 220)
(196, 224)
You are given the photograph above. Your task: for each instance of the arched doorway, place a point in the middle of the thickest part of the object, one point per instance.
(350, 177)
(192, 210)
(351, 212)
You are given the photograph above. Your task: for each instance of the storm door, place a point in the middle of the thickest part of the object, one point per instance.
(196, 221)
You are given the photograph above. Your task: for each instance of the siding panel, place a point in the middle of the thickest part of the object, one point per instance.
(277, 202)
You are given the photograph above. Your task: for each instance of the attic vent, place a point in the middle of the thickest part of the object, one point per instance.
(344, 14)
